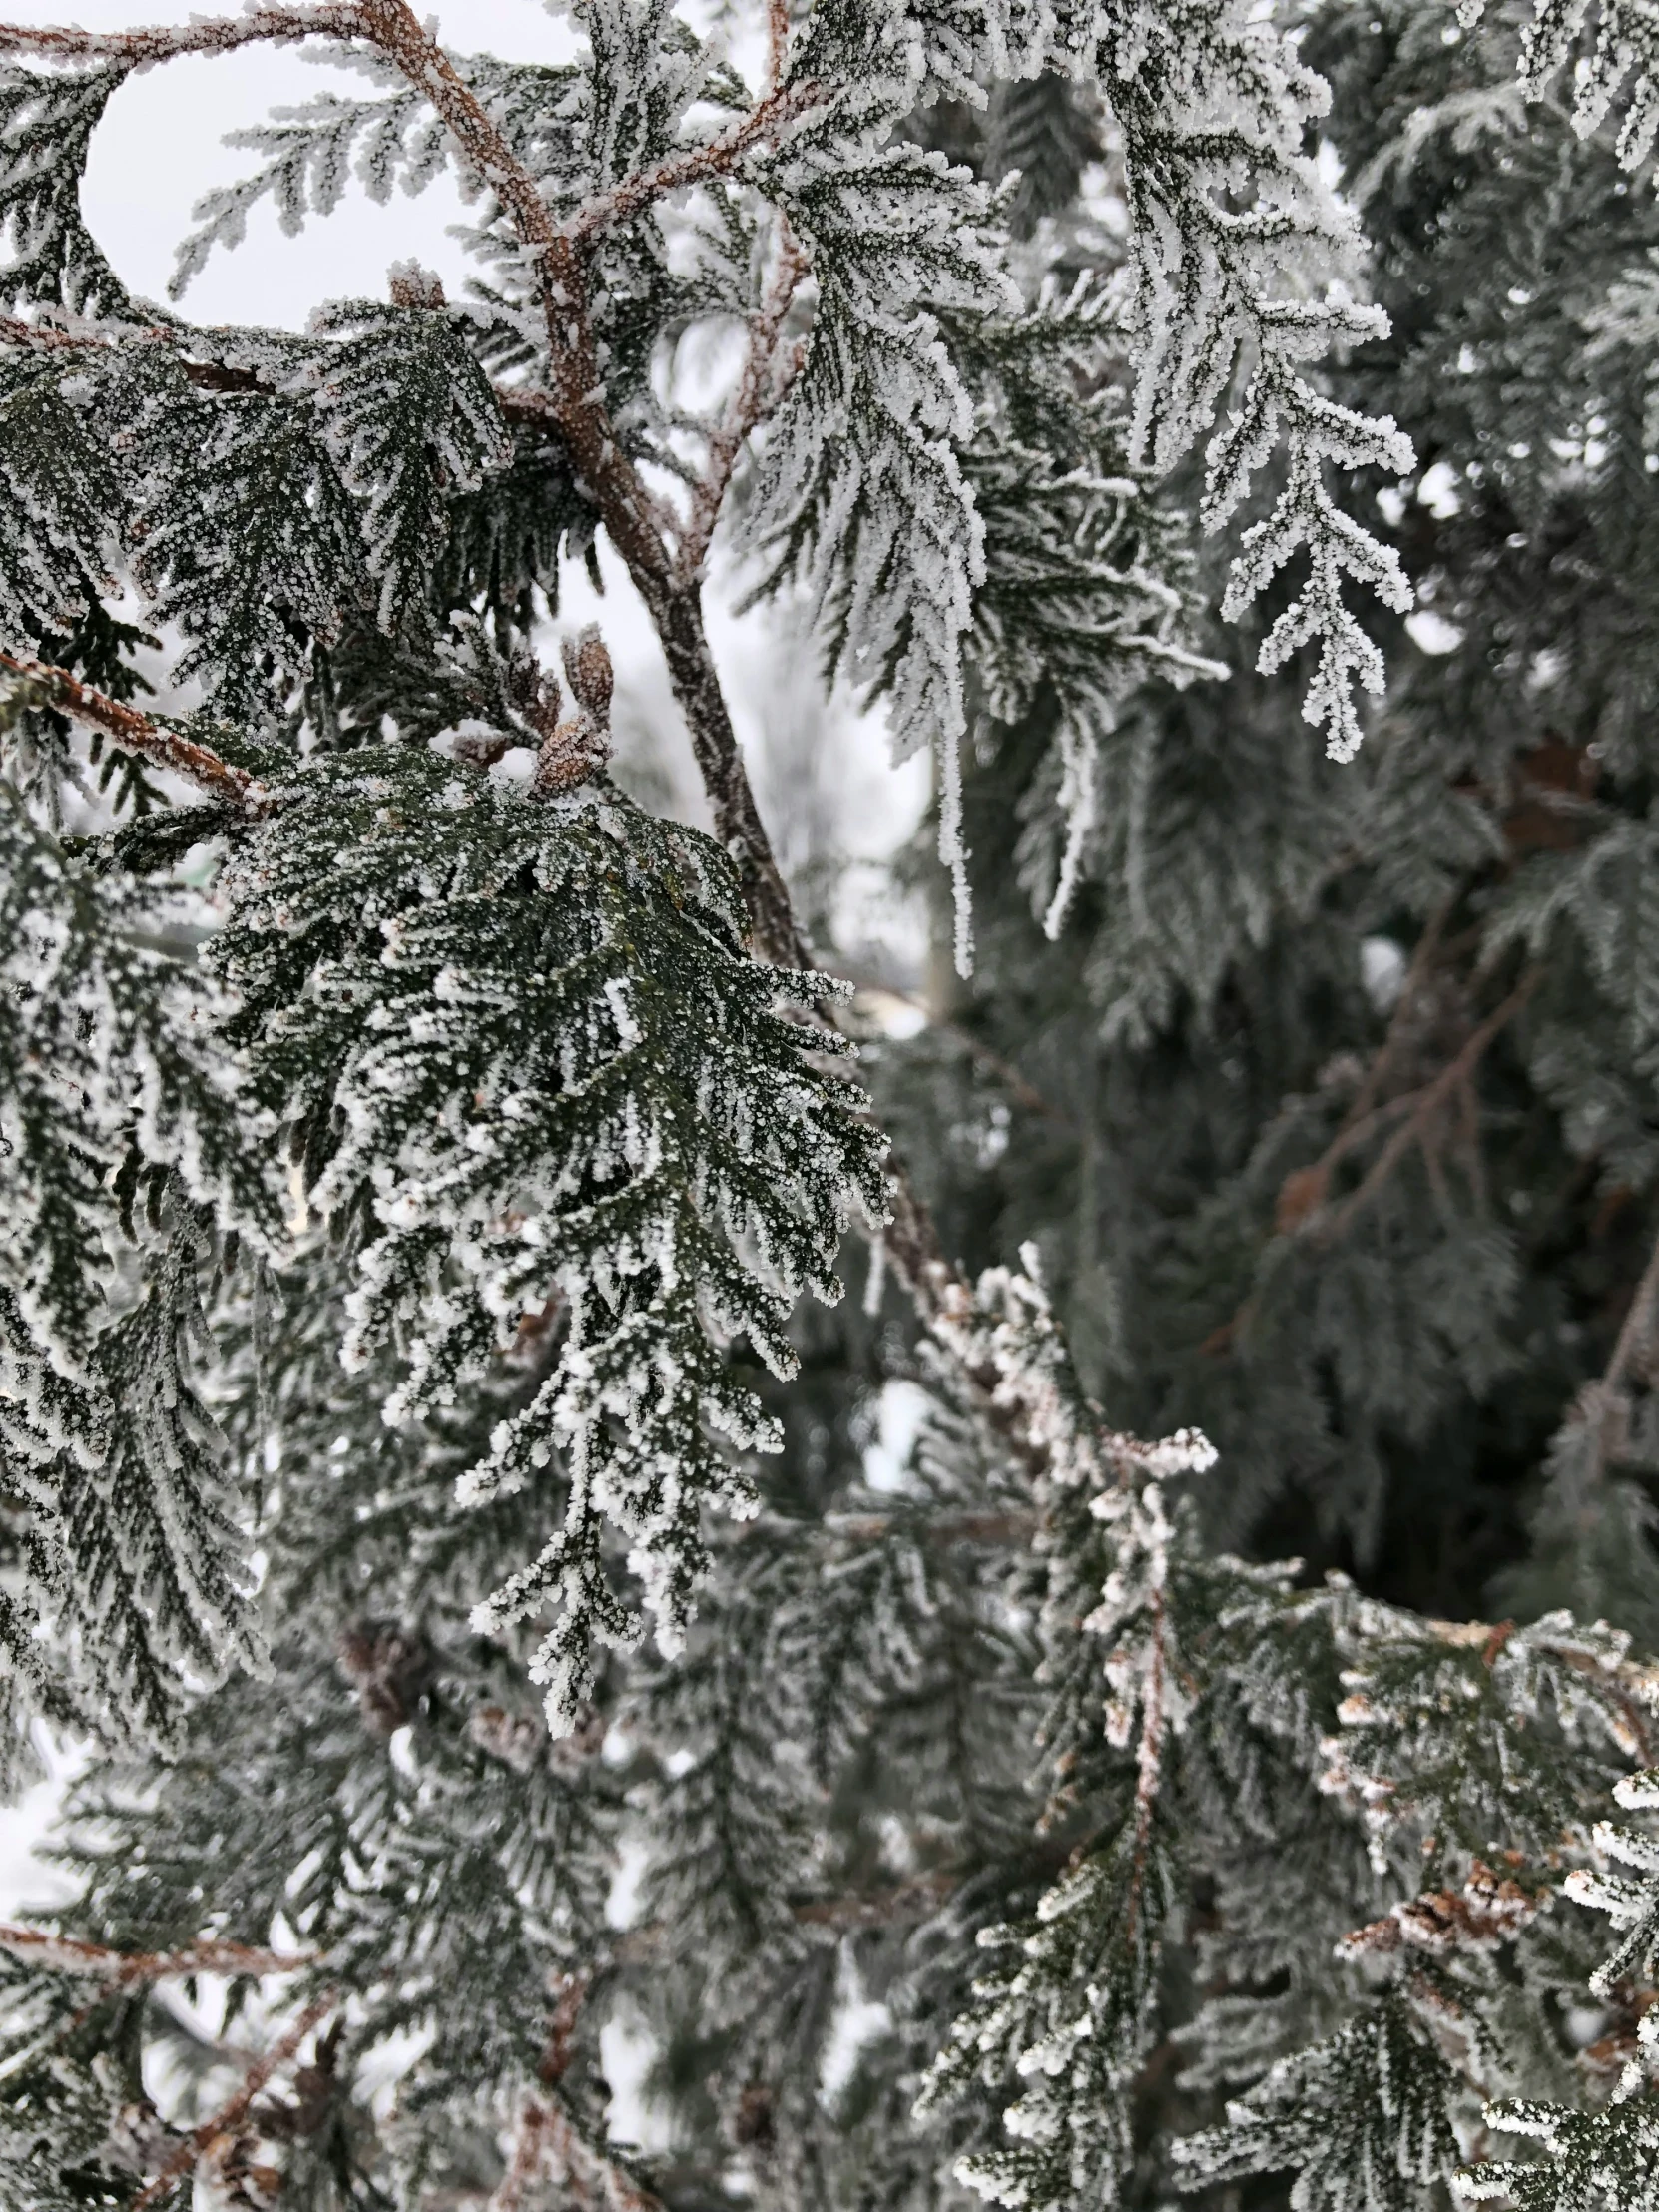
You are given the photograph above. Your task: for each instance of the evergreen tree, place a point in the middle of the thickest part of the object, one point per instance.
(425, 1170)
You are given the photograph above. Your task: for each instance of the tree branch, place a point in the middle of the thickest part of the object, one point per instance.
(162, 43)
(778, 41)
(1305, 1187)
(230, 2117)
(692, 163)
(576, 405)
(603, 470)
(548, 2146)
(37, 1947)
(133, 732)
(1427, 1102)
(765, 381)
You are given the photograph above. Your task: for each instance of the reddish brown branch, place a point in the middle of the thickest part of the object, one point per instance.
(847, 1916)
(692, 165)
(224, 2124)
(767, 372)
(547, 2146)
(1305, 1189)
(69, 1954)
(1428, 1101)
(161, 43)
(132, 731)
(778, 41)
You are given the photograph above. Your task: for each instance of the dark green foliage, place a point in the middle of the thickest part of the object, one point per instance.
(413, 423)
(1371, 2105)
(46, 127)
(520, 1050)
(406, 1230)
(1042, 127)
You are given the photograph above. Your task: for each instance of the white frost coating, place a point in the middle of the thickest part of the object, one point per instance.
(589, 1147)
(139, 1561)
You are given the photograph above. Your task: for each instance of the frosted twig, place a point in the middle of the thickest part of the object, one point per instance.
(690, 164)
(133, 732)
(39, 1947)
(761, 391)
(777, 41)
(165, 42)
(234, 2111)
(547, 2145)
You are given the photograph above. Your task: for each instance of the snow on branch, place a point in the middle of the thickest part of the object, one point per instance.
(1243, 259)
(138, 49)
(135, 732)
(1618, 56)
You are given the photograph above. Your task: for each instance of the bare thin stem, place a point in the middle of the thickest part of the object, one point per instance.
(230, 2117)
(1304, 1189)
(133, 732)
(1638, 1324)
(38, 1947)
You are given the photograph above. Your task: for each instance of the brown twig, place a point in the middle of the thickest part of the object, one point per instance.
(159, 43)
(132, 731)
(548, 2145)
(39, 1947)
(767, 373)
(1427, 1102)
(692, 165)
(230, 2117)
(631, 516)
(847, 1915)
(777, 41)
(1304, 1189)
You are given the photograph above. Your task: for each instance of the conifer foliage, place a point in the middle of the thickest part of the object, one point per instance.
(436, 1490)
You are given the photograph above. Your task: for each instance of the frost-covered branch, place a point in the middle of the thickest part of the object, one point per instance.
(138, 49)
(695, 165)
(220, 2130)
(135, 732)
(767, 371)
(38, 1947)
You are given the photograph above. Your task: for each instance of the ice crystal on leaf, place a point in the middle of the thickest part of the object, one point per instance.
(422, 1169)
(521, 1044)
